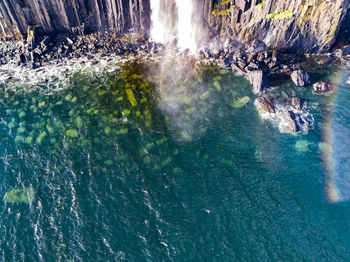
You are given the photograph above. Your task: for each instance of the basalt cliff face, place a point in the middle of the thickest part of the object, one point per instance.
(73, 15)
(304, 26)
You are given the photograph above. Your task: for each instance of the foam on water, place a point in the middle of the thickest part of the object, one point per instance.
(26, 77)
(304, 119)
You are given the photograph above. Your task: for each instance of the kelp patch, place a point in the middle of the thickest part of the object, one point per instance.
(24, 195)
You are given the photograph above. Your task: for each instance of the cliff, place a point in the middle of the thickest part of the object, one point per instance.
(306, 26)
(68, 15)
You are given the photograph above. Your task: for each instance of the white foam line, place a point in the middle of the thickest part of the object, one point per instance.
(23, 77)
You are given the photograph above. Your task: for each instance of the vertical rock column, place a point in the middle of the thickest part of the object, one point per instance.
(56, 16)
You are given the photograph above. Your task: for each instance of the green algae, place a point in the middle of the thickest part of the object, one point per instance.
(190, 110)
(108, 162)
(20, 195)
(68, 97)
(72, 133)
(131, 97)
(240, 102)
(107, 130)
(19, 139)
(166, 161)
(161, 141)
(41, 137)
(41, 104)
(21, 114)
(50, 128)
(186, 136)
(79, 122)
(21, 130)
(126, 112)
(122, 131)
(28, 140)
(302, 146)
(217, 86)
(205, 95)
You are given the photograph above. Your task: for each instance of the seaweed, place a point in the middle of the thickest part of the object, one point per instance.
(20, 195)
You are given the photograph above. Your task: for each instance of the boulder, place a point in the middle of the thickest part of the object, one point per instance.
(264, 105)
(288, 121)
(258, 80)
(300, 77)
(293, 102)
(327, 60)
(322, 87)
(346, 50)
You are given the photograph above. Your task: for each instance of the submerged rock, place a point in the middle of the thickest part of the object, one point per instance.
(300, 77)
(240, 102)
(322, 87)
(20, 195)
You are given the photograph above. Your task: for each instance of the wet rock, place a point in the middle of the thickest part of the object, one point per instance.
(294, 102)
(327, 60)
(238, 69)
(260, 57)
(31, 37)
(300, 77)
(346, 50)
(21, 58)
(264, 105)
(70, 41)
(322, 87)
(288, 123)
(258, 80)
(252, 66)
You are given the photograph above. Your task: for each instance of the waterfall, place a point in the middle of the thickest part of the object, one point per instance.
(174, 20)
(186, 28)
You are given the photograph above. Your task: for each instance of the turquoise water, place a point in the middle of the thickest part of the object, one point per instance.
(135, 165)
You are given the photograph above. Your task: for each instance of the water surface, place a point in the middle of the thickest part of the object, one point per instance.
(135, 165)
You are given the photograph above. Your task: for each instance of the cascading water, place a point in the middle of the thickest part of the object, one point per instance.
(174, 19)
(186, 28)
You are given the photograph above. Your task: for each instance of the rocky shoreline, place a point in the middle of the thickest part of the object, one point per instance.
(257, 63)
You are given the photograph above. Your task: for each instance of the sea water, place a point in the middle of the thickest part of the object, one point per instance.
(137, 164)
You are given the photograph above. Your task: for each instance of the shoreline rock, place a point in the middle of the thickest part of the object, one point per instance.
(323, 87)
(300, 78)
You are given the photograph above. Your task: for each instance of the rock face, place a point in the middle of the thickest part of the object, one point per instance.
(303, 26)
(73, 15)
(300, 78)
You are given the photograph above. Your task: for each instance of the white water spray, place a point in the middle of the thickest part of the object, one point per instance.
(174, 19)
(186, 28)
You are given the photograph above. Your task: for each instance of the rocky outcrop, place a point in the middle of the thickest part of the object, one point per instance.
(303, 26)
(289, 114)
(264, 105)
(258, 80)
(67, 16)
(322, 87)
(300, 77)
